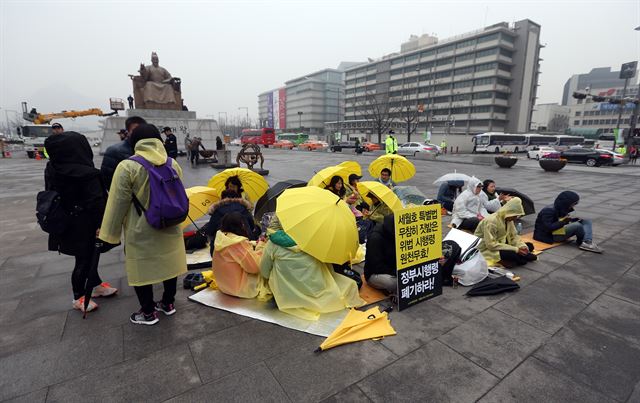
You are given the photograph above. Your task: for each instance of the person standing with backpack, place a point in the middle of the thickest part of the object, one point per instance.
(148, 200)
(70, 172)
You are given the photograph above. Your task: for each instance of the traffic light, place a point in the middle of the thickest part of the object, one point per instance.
(616, 101)
(597, 98)
(579, 95)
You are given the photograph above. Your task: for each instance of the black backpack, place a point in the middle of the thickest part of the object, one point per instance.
(51, 216)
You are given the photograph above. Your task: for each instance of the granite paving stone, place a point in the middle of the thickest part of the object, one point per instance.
(626, 288)
(309, 376)
(38, 396)
(352, 394)
(495, 341)
(593, 357)
(251, 384)
(433, 372)
(569, 283)
(535, 381)
(156, 377)
(33, 332)
(615, 316)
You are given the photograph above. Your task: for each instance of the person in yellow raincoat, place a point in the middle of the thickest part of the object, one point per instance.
(236, 266)
(378, 210)
(500, 239)
(302, 285)
(151, 255)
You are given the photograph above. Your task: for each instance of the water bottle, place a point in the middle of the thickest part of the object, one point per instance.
(519, 228)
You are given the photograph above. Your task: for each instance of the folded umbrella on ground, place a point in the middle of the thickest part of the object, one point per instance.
(493, 286)
(357, 326)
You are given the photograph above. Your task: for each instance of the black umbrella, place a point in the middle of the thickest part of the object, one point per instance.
(493, 286)
(267, 203)
(92, 276)
(527, 203)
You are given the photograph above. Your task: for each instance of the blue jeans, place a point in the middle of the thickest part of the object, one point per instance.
(582, 230)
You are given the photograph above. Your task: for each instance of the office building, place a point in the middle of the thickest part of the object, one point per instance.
(550, 118)
(475, 82)
(603, 116)
(600, 77)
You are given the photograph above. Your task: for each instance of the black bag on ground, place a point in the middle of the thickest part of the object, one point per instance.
(493, 286)
(195, 242)
(451, 252)
(51, 216)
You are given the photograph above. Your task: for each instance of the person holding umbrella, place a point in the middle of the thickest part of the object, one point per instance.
(71, 173)
(152, 255)
(447, 193)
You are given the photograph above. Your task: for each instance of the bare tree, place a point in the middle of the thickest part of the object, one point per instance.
(558, 123)
(377, 109)
(411, 119)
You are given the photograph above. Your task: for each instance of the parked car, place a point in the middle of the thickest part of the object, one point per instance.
(415, 148)
(371, 146)
(617, 157)
(588, 156)
(342, 144)
(437, 147)
(235, 142)
(543, 152)
(284, 144)
(312, 145)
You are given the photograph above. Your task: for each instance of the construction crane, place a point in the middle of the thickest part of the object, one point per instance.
(46, 118)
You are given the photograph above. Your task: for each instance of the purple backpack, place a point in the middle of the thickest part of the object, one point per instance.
(168, 202)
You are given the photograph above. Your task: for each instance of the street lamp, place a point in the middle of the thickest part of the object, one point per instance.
(247, 110)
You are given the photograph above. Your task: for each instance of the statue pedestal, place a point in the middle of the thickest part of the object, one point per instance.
(224, 160)
(263, 172)
(180, 122)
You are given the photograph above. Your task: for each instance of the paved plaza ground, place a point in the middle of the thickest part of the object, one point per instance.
(572, 333)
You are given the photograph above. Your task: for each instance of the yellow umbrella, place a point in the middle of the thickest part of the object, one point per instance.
(320, 222)
(253, 184)
(401, 168)
(323, 177)
(200, 199)
(383, 193)
(352, 166)
(357, 326)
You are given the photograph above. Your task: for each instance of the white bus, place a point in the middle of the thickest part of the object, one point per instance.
(499, 142)
(535, 140)
(564, 142)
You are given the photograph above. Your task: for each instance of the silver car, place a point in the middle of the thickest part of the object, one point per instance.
(415, 148)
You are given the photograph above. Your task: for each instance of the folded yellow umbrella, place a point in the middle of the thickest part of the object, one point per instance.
(383, 193)
(253, 184)
(352, 166)
(401, 168)
(320, 222)
(323, 177)
(200, 199)
(357, 326)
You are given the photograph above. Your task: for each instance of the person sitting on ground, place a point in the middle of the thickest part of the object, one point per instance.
(336, 186)
(500, 240)
(118, 152)
(380, 260)
(378, 210)
(448, 192)
(554, 224)
(236, 265)
(385, 178)
(231, 202)
(490, 201)
(466, 209)
(71, 173)
(234, 184)
(352, 189)
(152, 255)
(302, 285)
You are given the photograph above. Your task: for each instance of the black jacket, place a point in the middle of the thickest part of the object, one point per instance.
(447, 191)
(171, 146)
(112, 157)
(226, 206)
(548, 219)
(70, 172)
(381, 249)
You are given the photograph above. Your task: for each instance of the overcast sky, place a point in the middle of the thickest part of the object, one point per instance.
(60, 55)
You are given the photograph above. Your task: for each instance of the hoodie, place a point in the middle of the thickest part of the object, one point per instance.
(226, 206)
(548, 219)
(498, 234)
(236, 266)
(447, 191)
(468, 204)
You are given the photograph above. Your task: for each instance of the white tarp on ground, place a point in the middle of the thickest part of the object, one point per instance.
(268, 312)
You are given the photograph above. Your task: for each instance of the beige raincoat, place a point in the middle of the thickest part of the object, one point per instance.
(152, 255)
(498, 234)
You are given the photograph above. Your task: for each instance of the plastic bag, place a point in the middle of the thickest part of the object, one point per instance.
(472, 271)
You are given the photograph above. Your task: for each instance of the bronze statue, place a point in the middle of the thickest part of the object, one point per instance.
(155, 88)
(249, 155)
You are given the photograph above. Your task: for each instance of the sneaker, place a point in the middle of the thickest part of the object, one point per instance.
(140, 318)
(590, 246)
(167, 309)
(103, 290)
(79, 305)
